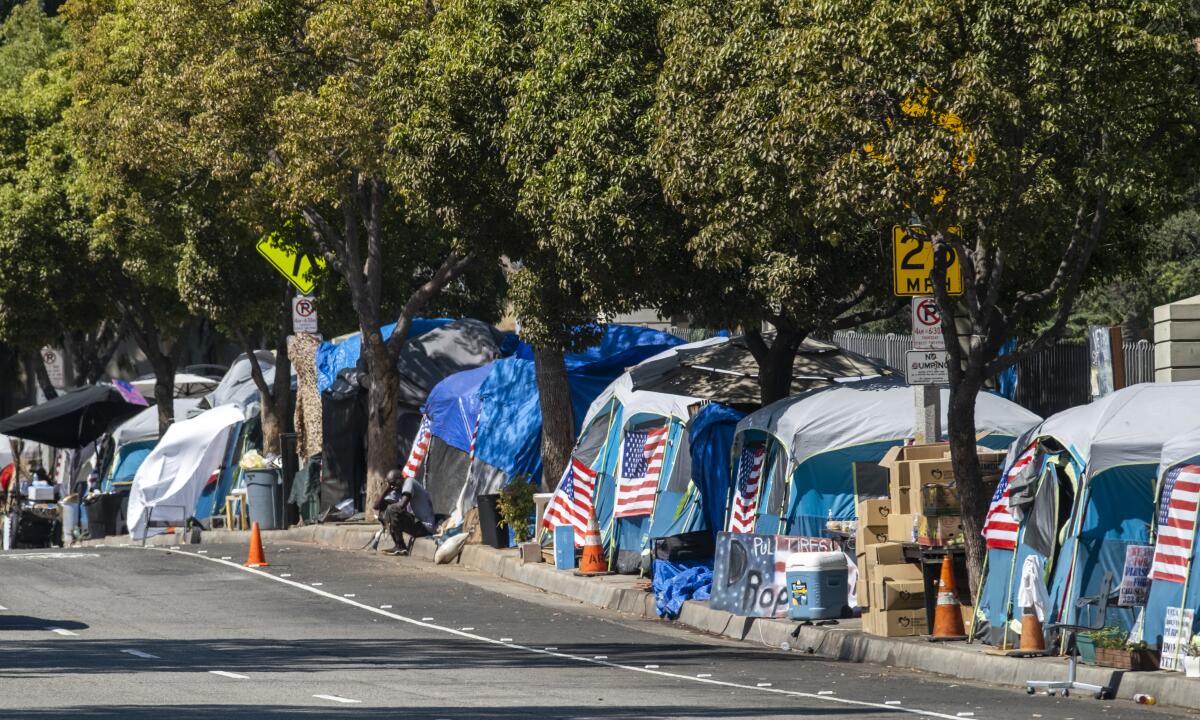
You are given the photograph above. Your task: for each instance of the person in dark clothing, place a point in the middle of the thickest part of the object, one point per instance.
(405, 508)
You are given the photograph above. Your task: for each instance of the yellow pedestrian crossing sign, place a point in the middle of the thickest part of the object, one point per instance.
(298, 268)
(912, 262)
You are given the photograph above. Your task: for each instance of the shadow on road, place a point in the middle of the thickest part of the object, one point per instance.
(53, 657)
(600, 712)
(28, 622)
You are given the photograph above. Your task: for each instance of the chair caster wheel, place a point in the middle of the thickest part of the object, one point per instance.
(1098, 696)
(1030, 691)
(1066, 693)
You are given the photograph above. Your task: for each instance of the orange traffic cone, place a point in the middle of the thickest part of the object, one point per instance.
(1033, 639)
(947, 618)
(593, 554)
(255, 558)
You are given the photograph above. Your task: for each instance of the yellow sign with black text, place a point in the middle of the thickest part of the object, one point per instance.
(298, 268)
(912, 262)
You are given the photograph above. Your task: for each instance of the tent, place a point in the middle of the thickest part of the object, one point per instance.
(133, 440)
(425, 360)
(187, 385)
(177, 471)
(237, 386)
(666, 391)
(339, 354)
(1095, 468)
(501, 409)
(74, 419)
(817, 442)
(1173, 584)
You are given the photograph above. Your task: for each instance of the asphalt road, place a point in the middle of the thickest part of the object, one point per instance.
(115, 632)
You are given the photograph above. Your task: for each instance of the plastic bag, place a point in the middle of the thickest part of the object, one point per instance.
(253, 460)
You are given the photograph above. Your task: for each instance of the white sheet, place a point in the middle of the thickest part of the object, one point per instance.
(170, 480)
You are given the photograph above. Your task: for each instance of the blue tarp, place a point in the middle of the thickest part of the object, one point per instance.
(453, 406)
(677, 582)
(332, 357)
(710, 436)
(620, 347)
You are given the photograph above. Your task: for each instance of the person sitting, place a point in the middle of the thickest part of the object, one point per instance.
(406, 508)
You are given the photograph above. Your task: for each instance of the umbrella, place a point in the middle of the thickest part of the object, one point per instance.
(74, 419)
(187, 385)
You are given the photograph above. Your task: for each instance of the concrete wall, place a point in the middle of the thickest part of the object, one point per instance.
(1177, 341)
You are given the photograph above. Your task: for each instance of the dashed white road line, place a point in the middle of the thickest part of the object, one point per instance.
(139, 653)
(897, 702)
(423, 623)
(226, 673)
(335, 698)
(3, 608)
(62, 631)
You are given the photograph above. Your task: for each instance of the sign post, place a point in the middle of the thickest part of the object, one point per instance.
(304, 315)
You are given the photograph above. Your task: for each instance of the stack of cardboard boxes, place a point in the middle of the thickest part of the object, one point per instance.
(922, 508)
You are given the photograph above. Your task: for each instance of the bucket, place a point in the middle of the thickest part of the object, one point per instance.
(70, 521)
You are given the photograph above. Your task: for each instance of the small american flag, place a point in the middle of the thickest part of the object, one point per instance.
(1176, 524)
(745, 497)
(419, 449)
(641, 465)
(574, 501)
(1000, 528)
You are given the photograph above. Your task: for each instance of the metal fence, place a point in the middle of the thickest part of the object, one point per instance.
(1049, 381)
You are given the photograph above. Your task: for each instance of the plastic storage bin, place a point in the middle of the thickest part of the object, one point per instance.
(266, 502)
(817, 585)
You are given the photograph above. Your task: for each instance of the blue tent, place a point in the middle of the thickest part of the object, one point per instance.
(1175, 586)
(336, 355)
(508, 422)
(1105, 457)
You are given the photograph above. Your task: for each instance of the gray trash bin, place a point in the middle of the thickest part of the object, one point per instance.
(263, 493)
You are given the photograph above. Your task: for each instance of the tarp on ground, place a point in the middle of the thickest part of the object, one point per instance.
(821, 434)
(173, 476)
(1110, 450)
(336, 355)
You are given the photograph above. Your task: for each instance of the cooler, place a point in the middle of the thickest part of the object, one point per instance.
(817, 585)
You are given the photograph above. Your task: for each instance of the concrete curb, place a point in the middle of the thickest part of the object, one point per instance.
(844, 642)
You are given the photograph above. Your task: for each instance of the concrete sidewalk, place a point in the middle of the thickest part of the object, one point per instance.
(843, 641)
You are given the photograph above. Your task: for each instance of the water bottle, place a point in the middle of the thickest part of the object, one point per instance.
(1144, 699)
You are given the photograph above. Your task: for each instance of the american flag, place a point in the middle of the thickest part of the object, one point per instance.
(1000, 528)
(641, 465)
(745, 497)
(574, 501)
(1176, 524)
(419, 449)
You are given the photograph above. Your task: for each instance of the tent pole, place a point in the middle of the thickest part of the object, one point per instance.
(612, 542)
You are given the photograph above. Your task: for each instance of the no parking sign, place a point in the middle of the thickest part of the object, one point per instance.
(927, 324)
(304, 315)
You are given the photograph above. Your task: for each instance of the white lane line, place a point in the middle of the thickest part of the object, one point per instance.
(897, 702)
(226, 673)
(599, 657)
(426, 619)
(567, 656)
(201, 552)
(467, 629)
(825, 692)
(3, 608)
(316, 584)
(966, 714)
(349, 595)
(385, 607)
(704, 675)
(650, 667)
(285, 575)
(139, 653)
(226, 557)
(503, 640)
(767, 685)
(335, 698)
(61, 631)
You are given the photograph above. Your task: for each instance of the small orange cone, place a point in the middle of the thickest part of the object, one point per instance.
(255, 558)
(1033, 639)
(593, 554)
(947, 618)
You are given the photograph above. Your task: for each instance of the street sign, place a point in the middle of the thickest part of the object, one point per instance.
(927, 324)
(926, 367)
(296, 267)
(304, 315)
(912, 262)
(55, 367)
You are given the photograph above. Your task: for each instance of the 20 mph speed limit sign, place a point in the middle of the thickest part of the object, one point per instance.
(912, 262)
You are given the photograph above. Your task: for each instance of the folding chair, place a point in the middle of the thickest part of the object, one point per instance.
(1096, 605)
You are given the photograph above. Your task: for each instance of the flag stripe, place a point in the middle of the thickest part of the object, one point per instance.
(744, 508)
(1000, 529)
(642, 458)
(1177, 523)
(572, 503)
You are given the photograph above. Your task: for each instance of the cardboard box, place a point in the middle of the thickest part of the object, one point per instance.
(902, 527)
(936, 531)
(898, 623)
(874, 512)
(861, 591)
(888, 594)
(879, 576)
(866, 535)
(917, 465)
(531, 552)
(887, 553)
(936, 499)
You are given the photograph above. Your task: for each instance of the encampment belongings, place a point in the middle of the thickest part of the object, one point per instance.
(698, 546)
(70, 518)
(940, 530)
(74, 419)
(898, 586)
(41, 492)
(263, 490)
(902, 527)
(749, 571)
(531, 552)
(817, 585)
(253, 460)
(895, 623)
(495, 532)
(564, 547)
(676, 582)
(874, 512)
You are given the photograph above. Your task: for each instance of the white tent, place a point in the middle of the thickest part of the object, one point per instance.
(187, 385)
(171, 479)
(144, 425)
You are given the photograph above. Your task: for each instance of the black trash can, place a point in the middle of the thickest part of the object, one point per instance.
(495, 532)
(266, 502)
(102, 515)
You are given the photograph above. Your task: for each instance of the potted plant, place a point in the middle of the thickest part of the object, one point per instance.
(1112, 651)
(1191, 662)
(1086, 647)
(516, 508)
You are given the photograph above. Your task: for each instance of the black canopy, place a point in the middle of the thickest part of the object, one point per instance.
(72, 420)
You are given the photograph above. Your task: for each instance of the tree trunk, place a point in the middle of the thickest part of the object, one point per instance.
(967, 474)
(164, 387)
(775, 362)
(273, 398)
(383, 429)
(558, 417)
(42, 375)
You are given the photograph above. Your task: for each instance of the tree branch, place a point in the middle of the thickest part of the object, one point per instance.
(452, 267)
